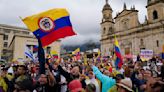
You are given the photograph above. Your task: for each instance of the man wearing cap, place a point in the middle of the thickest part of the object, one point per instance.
(75, 86)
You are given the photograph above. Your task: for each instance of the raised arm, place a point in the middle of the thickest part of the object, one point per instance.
(98, 74)
(64, 73)
(51, 78)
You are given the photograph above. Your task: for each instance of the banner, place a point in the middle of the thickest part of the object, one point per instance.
(146, 55)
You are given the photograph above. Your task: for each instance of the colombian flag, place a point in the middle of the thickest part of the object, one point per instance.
(50, 25)
(118, 62)
(77, 54)
(54, 54)
(77, 51)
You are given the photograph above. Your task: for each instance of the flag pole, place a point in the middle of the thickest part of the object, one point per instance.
(41, 57)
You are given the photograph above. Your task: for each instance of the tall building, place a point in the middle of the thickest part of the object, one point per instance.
(14, 40)
(132, 35)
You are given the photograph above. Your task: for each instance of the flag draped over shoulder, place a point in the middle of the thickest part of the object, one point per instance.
(50, 25)
(118, 62)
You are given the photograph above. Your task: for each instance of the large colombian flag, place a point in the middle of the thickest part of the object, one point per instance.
(50, 25)
(118, 62)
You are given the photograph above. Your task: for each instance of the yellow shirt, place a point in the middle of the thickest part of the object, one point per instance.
(113, 89)
(3, 84)
(99, 82)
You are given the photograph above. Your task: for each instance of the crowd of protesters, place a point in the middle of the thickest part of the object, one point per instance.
(76, 76)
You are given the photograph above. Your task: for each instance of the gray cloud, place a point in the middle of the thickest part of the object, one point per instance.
(85, 14)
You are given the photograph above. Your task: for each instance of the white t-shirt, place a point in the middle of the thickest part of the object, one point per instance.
(63, 87)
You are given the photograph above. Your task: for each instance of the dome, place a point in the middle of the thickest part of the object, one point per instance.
(107, 7)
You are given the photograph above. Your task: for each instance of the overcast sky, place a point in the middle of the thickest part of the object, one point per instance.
(85, 14)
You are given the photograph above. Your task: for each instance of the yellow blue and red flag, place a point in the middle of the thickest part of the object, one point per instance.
(77, 51)
(77, 54)
(50, 25)
(118, 62)
(54, 54)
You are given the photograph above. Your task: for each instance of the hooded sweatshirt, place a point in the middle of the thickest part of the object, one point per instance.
(107, 82)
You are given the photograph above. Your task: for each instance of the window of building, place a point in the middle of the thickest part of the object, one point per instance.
(141, 42)
(4, 51)
(26, 32)
(149, 1)
(125, 24)
(5, 44)
(155, 15)
(105, 16)
(142, 48)
(15, 31)
(5, 37)
(111, 30)
(157, 43)
(104, 30)
(7, 31)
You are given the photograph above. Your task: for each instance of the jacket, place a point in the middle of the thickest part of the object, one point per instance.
(107, 82)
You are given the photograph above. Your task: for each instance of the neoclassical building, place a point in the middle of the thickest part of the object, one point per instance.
(132, 35)
(14, 40)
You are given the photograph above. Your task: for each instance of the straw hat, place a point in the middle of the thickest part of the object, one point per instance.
(126, 83)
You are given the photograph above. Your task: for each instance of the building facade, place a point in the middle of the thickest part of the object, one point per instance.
(14, 40)
(132, 35)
